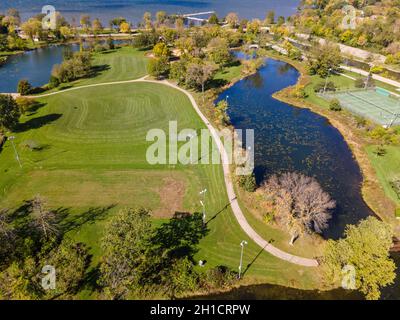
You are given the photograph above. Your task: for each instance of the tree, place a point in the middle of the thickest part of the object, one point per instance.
(85, 21)
(302, 204)
(335, 105)
(281, 20)
(232, 19)
(116, 22)
(43, 220)
(124, 246)
(218, 51)
(66, 32)
(32, 28)
(97, 27)
(70, 260)
(248, 182)
(213, 19)
(24, 87)
(147, 20)
(179, 25)
(178, 71)
(25, 104)
(270, 18)
(366, 248)
(11, 20)
(161, 50)
(145, 39)
(221, 113)
(158, 67)
(7, 239)
(325, 59)
(124, 27)
(161, 16)
(9, 112)
(198, 74)
(20, 281)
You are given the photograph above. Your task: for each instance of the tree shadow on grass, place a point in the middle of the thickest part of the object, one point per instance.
(180, 236)
(35, 107)
(97, 70)
(217, 83)
(38, 122)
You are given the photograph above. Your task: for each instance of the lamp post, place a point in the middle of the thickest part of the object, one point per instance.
(15, 151)
(326, 80)
(242, 244)
(203, 204)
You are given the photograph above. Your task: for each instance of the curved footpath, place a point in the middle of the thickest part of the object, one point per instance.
(227, 175)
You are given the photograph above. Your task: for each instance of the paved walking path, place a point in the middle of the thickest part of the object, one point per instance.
(227, 175)
(374, 76)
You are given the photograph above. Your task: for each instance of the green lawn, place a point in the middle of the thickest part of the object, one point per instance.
(387, 168)
(93, 163)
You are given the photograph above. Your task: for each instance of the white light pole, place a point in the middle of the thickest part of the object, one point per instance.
(326, 80)
(15, 150)
(226, 99)
(242, 244)
(203, 203)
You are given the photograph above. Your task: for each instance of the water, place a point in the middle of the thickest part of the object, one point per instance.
(290, 139)
(133, 9)
(293, 139)
(34, 66)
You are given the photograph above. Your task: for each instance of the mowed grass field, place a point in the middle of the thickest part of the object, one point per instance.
(121, 64)
(92, 163)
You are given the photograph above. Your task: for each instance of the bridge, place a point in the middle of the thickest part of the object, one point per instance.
(194, 16)
(197, 14)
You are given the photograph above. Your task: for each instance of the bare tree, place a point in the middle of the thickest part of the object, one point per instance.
(301, 204)
(43, 219)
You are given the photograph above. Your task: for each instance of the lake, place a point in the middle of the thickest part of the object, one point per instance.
(133, 9)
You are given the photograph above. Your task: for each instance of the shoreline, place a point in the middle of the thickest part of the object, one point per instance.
(371, 190)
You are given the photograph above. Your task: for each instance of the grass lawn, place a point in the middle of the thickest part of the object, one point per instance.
(121, 64)
(93, 163)
(387, 168)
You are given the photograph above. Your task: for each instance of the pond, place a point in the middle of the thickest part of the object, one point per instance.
(34, 65)
(291, 139)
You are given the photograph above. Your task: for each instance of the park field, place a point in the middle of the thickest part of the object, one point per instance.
(90, 161)
(121, 64)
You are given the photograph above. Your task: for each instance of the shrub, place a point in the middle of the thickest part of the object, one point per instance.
(299, 92)
(25, 104)
(377, 69)
(158, 67)
(380, 151)
(397, 213)
(330, 86)
(24, 87)
(334, 105)
(53, 82)
(248, 183)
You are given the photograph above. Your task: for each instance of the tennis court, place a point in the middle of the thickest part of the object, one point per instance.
(378, 105)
